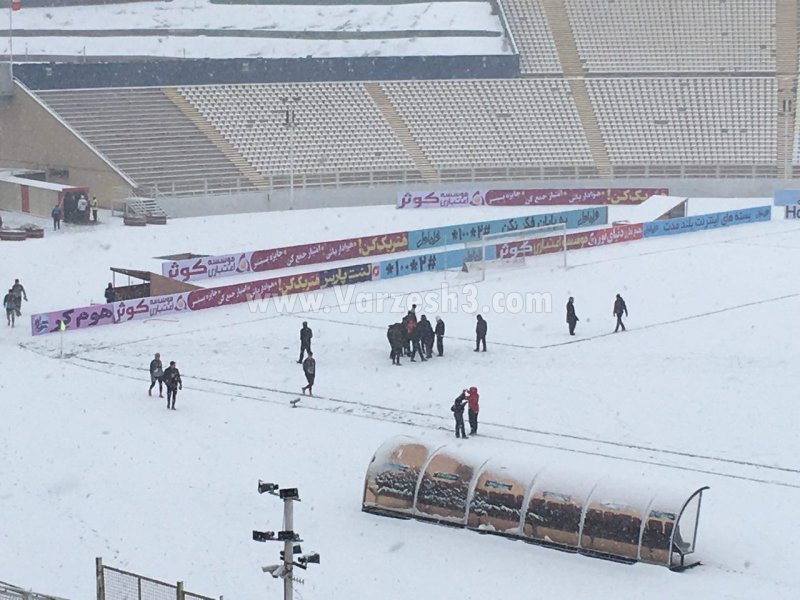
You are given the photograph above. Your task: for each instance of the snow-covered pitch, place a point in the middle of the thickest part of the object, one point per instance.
(701, 389)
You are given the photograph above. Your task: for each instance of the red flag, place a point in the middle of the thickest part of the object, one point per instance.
(16, 4)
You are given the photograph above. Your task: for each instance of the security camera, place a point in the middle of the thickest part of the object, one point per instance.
(276, 571)
(263, 536)
(266, 487)
(313, 558)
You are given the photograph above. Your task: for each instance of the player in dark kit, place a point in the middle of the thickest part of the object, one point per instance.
(305, 341)
(426, 335)
(10, 304)
(396, 337)
(439, 331)
(480, 333)
(572, 318)
(458, 412)
(620, 308)
(156, 375)
(310, 370)
(172, 379)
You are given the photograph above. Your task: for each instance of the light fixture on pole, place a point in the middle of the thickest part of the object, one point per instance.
(289, 121)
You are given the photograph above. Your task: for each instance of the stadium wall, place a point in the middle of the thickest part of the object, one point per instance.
(68, 75)
(35, 139)
(268, 200)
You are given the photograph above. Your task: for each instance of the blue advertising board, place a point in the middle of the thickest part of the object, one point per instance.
(421, 239)
(786, 197)
(709, 221)
(422, 263)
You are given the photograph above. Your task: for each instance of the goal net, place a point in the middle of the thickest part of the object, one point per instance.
(510, 249)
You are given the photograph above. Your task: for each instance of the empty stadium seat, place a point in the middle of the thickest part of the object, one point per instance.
(654, 36)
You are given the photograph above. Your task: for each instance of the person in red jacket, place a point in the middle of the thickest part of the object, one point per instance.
(472, 411)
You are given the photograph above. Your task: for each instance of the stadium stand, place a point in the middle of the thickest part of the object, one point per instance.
(687, 121)
(535, 44)
(148, 137)
(649, 36)
(471, 124)
(252, 119)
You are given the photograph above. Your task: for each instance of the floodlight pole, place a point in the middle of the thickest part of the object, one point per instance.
(289, 110)
(288, 549)
(285, 569)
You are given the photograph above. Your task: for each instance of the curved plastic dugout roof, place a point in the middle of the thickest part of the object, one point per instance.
(626, 521)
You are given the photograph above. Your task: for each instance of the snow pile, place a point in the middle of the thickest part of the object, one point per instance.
(271, 31)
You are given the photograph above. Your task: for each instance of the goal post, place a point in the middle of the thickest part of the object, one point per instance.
(510, 248)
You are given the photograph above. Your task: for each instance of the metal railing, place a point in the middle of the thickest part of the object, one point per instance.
(471, 174)
(12, 592)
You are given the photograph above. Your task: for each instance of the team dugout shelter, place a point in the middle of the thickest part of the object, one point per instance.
(409, 479)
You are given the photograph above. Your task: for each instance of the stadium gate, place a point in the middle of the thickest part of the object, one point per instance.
(116, 584)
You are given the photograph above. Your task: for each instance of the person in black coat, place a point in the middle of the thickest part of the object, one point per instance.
(480, 333)
(426, 335)
(310, 370)
(56, 214)
(572, 318)
(619, 309)
(416, 344)
(397, 340)
(305, 341)
(109, 294)
(172, 379)
(458, 412)
(439, 331)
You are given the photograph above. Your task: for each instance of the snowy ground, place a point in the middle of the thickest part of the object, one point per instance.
(93, 36)
(90, 466)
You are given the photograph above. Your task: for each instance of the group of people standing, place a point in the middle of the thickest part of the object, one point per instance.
(412, 337)
(12, 302)
(620, 309)
(169, 377)
(80, 211)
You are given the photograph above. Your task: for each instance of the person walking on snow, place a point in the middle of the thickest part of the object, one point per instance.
(305, 341)
(156, 375)
(572, 318)
(458, 413)
(619, 309)
(480, 333)
(310, 370)
(172, 379)
(10, 304)
(19, 293)
(439, 331)
(472, 412)
(56, 214)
